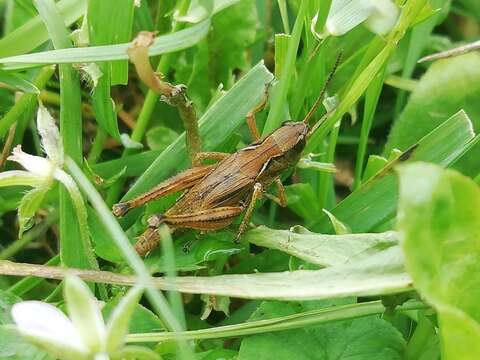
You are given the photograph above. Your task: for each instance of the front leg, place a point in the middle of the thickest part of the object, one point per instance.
(281, 199)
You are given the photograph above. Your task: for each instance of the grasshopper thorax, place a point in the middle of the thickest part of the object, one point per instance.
(291, 136)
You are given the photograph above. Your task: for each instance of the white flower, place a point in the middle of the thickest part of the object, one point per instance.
(51, 144)
(41, 172)
(379, 16)
(82, 335)
(36, 165)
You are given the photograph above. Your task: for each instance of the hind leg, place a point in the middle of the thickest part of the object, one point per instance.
(211, 219)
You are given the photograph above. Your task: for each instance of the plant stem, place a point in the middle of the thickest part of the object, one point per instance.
(132, 258)
(29, 282)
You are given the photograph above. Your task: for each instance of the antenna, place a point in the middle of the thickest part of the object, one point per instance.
(324, 90)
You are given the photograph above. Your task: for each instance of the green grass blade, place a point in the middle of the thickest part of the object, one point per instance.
(376, 200)
(111, 225)
(163, 44)
(279, 100)
(24, 108)
(34, 33)
(110, 22)
(371, 100)
(288, 322)
(74, 251)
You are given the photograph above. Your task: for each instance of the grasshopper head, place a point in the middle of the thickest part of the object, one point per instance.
(291, 136)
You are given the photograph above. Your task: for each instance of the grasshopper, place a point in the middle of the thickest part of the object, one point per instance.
(214, 195)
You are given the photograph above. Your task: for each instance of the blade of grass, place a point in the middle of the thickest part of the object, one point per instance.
(371, 100)
(278, 102)
(379, 52)
(175, 41)
(75, 247)
(109, 22)
(295, 321)
(132, 258)
(376, 200)
(282, 6)
(380, 274)
(325, 180)
(23, 109)
(34, 33)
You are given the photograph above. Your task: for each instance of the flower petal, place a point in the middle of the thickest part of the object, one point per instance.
(34, 164)
(117, 327)
(47, 326)
(346, 14)
(383, 18)
(48, 130)
(85, 313)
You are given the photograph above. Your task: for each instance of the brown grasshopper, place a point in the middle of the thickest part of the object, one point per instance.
(216, 194)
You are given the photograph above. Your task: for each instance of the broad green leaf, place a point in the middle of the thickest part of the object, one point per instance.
(325, 250)
(439, 222)
(135, 352)
(361, 339)
(447, 87)
(162, 44)
(219, 122)
(381, 273)
(14, 347)
(33, 33)
(375, 202)
(7, 300)
(460, 335)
